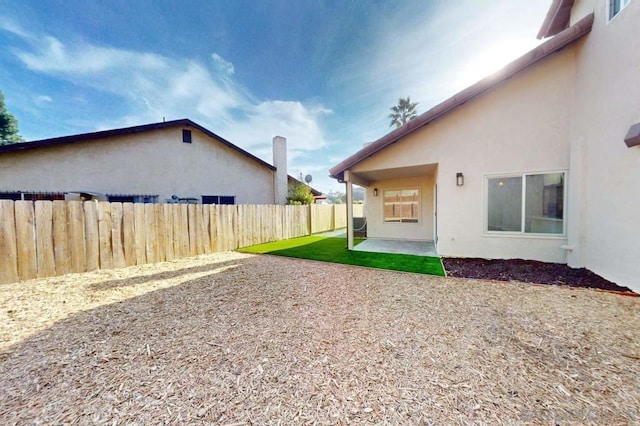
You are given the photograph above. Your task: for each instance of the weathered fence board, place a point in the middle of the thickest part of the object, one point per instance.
(151, 245)
(25, 233)
(129, 233)
(199, 229)
(61, 247)
(44, 238)
(185, 238)
(77, 237)
(160, 232)
(104, 233)
(92, 236)
(340, 216)
(8, 249)
(117, 245)
(205, 228)
(167, 215)
(140, 229)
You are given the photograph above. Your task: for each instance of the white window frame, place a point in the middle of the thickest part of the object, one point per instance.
(610, 5)
(406, 188)
(522, 232)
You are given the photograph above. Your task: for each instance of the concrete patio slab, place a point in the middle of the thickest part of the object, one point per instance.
(380, 245)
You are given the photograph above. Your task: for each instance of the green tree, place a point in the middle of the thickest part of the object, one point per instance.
(8, 125)
(404, 112)
(300, 194)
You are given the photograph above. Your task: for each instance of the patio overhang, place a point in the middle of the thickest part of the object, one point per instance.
(367, 177)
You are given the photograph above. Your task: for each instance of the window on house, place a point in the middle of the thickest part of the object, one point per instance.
(218, 199)
(15, 195)
(186, 136)
(401, 205)
(527, 203)
(48, 196)
(132, 198)
(615, 6)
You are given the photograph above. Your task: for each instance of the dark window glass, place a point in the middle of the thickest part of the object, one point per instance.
(218, 199)
(120, 198)
(47, 196)
(15, 196)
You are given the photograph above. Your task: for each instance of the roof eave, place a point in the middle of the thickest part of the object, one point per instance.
(525, 61)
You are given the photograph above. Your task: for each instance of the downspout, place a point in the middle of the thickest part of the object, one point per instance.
(349, 202)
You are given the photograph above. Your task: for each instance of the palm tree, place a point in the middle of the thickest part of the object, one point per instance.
(403, 112)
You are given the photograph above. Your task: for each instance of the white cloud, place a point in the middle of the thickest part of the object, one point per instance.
(158, 87)
(298, 122)
(222, 64)
(41, 100)
(8, 25)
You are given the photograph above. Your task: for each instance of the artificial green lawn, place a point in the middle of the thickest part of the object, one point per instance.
(331, 249)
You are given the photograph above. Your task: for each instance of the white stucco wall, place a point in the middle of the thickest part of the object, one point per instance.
(605, 181)
(152, 162)
(377, 228)
(520, 126)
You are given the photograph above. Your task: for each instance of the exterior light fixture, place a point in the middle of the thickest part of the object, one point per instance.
(375, 192)
(459, 179)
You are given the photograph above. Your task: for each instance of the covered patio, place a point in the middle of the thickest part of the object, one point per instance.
(400, 208)
(386, 245)
(390, 245)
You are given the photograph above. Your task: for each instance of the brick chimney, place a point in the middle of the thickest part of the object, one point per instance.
(280, 163)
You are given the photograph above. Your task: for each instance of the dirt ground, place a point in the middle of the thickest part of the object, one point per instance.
(239, 339)
(528, 271)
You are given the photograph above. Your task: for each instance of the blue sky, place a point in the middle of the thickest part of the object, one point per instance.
(323, 74)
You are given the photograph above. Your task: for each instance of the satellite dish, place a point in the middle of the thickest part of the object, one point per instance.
(308, 178)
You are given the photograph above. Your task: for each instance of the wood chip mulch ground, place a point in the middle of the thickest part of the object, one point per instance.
(236, 339)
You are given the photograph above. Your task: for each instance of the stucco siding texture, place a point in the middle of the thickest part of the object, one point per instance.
(604, 183)
(152, 162)
(522, 125)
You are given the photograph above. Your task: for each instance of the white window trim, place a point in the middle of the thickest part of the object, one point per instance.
(623, 5)
(402, 188)
(523, 234)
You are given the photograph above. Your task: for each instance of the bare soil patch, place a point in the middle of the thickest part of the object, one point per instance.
(528, 271)
(241, 339)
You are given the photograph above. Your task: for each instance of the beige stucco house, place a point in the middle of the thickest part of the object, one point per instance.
(538, 161)
(173, 161)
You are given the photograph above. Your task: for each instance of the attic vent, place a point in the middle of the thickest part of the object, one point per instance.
(186, 136)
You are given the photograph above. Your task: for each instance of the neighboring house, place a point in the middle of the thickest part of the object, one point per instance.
(292, 182)
(538, 161)
(173, 161)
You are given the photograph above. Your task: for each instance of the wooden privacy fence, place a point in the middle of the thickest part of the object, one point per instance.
(47, 238)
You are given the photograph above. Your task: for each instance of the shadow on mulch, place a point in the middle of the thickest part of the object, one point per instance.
(529, 271)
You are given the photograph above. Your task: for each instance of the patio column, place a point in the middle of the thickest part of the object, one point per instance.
(349, 202)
